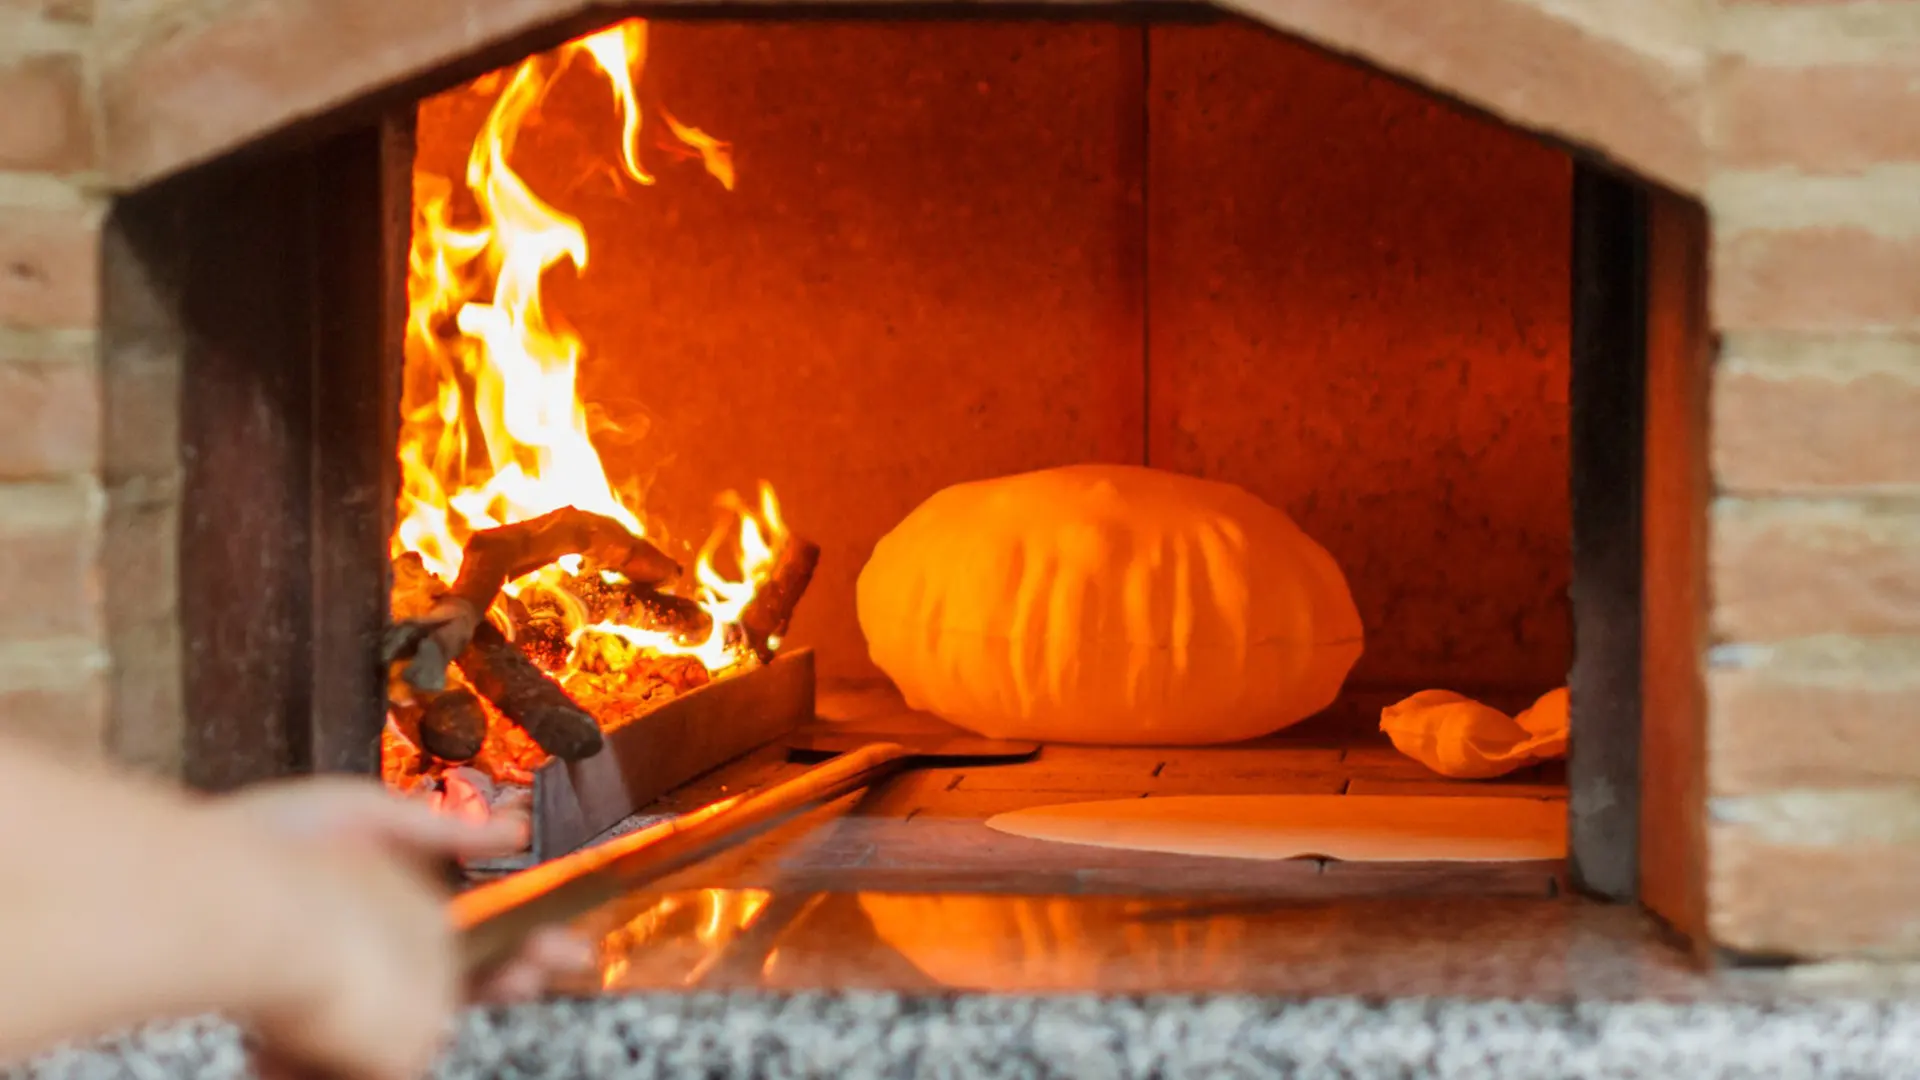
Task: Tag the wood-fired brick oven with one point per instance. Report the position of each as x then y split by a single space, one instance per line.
961 247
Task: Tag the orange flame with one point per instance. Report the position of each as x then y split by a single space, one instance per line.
702 922
493 429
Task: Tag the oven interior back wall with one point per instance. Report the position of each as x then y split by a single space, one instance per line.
963 249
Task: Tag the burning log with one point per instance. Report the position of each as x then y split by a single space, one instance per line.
685 619
496 556
447 727
770 611
524 694
453 725
765 617
541 632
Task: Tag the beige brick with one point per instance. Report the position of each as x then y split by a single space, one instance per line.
43 191
49 573
54 693
206 86
1635 91
1788 568
1816 280
181 97
148 725
142 407
65 11
1816 875
1679 28
1804 415
49 419
69 717
1817 818
49 267
47 126
1813 713
78 346
1821 119
141 553
140 560
1816 32
1880 199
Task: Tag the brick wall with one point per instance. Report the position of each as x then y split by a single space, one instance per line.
1813 682
1795 121
53 659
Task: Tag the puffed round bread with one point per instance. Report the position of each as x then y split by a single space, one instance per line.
1108 604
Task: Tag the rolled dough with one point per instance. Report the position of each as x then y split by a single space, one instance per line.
1354 828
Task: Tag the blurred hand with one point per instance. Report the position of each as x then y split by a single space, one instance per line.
389 984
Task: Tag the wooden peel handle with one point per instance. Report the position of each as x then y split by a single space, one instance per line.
495 919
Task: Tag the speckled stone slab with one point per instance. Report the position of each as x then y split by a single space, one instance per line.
716 984
855 1036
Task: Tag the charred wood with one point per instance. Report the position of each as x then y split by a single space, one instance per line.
453 725
528 697
685 619
770 611
625 603
496 556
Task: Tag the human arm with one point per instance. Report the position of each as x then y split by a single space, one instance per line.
304 911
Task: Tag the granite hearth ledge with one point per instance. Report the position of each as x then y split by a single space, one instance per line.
717 983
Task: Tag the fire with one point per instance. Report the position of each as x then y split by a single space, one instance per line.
702 923
493 430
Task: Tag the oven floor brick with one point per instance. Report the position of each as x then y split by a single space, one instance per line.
926 830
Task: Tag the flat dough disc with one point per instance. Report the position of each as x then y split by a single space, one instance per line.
1355 828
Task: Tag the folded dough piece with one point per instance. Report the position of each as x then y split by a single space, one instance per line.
1459 737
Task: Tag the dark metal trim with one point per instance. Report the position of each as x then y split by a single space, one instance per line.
283 274
360 319
1606 438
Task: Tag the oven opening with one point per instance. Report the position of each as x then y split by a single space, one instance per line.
1235 451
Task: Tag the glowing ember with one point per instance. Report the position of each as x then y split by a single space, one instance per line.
493 430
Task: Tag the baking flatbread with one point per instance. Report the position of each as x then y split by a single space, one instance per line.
1352 828
1108 604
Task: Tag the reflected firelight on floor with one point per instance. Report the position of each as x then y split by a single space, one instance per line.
758 939
691 927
